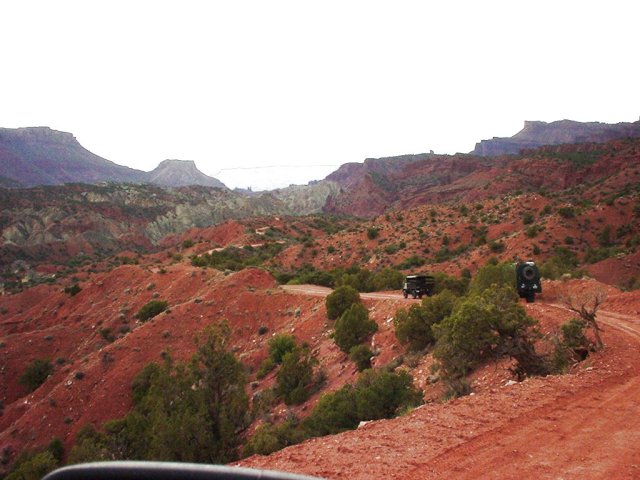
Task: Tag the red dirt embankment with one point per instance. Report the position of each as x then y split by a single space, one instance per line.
585 424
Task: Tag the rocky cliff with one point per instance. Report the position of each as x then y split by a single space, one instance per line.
537 134
56 223
178 173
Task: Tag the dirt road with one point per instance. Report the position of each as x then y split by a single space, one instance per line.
592 435
585 425
317 291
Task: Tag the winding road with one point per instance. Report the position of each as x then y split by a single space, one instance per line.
590 430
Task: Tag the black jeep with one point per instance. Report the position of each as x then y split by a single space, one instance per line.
528 280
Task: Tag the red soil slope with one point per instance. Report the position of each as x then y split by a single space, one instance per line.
581 425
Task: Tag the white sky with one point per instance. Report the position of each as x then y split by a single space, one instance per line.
250 83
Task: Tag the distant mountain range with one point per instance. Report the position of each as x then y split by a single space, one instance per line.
42 156
539 134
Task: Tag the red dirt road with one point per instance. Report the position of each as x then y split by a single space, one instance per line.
583 425
316 291
593 435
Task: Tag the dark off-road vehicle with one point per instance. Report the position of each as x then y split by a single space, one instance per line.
528 280
418 285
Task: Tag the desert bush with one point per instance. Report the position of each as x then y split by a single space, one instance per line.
359 279
501 274
234 258
338 301
353 327
563 261
107 334
387 279
372 233
496 246
411 262
458 286
188 412
595 255
72 290
527 218
151 309
413 326
566 212
604 237
271 438
486 325
279 346
265 367
377 394
36 373
573 335
34 467
361 356
295 377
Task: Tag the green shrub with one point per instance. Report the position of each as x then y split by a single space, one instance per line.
502 274
595 255
387 279
34 467
72 290
486 325
382 394
573 335
458 286
188 412
527 218
361 356
279 346
377 394
532 231
391 249
271 438
372 233
563 261
188 243
359 279
413 326
496 246
295 377
353 327
567 212
151 309
265 367
411 262
604 237
107 334
36 373
338 301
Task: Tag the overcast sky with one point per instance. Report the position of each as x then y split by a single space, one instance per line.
309 84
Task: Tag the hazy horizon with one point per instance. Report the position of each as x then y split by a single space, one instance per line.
257 84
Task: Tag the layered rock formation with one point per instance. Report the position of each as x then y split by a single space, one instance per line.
178 173
537 134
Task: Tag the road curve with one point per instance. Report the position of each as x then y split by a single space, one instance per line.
589 432
317 291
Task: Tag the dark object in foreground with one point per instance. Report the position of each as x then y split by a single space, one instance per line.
165 471
528 280
418 285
